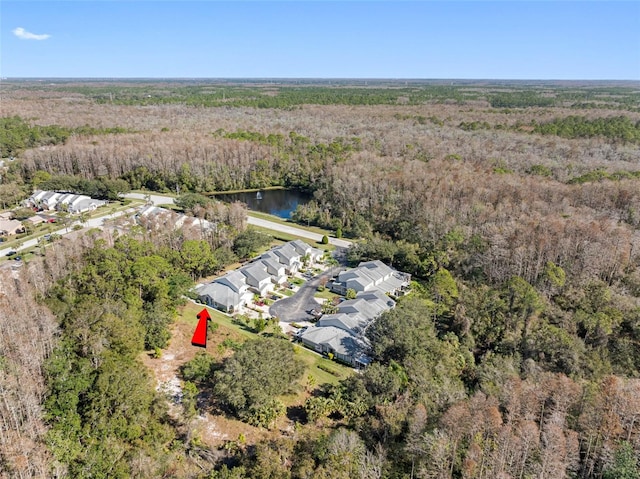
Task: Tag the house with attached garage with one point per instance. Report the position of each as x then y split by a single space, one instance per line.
229 293
257 277
342 334
340 343
10 227
313 255
71 202
275 269
287 256
373 275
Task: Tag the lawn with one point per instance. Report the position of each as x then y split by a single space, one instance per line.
312 360
277 219
285 237
326 294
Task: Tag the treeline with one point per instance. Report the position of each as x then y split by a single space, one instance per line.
615 128
619 128
425 408
101 187
105 417
281 97
521 100
219 162
28 334
284 96
16 134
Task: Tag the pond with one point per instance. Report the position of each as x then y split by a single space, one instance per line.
279 203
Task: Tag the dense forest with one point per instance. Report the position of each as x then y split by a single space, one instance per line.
516 208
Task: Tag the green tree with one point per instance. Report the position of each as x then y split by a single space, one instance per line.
258 372
248 243
197 258
625 464
199 368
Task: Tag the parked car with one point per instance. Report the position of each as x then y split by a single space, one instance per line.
11 253
17 258
51 220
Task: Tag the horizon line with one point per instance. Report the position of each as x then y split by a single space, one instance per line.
276 78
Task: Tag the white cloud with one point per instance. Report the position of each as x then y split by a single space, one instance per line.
25 35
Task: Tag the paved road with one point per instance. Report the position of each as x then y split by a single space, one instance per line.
155 199
292 230
92 223
163 200
294 308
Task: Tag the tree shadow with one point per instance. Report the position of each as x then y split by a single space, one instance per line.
297 414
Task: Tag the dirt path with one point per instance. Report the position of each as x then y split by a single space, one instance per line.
213 430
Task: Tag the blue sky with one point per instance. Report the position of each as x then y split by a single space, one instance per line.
321 39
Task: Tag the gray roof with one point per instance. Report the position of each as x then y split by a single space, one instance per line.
286 253
373 274
220 293
341 341
256 271
377 268
303 248
354 323
234 279
272 264
86 203
355 315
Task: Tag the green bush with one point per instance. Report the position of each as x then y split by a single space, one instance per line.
329 370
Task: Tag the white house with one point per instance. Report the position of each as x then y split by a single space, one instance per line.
49 200
373 275
275 269
287 256
228 293
343 333
257 277
343 345
313 254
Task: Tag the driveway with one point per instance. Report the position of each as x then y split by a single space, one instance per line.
294 308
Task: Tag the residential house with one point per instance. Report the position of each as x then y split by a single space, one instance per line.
313 255
10 227
275 269
287 256
257 277
343 333
372 275
48 200
228 293
36 220
343 345
76 204
71 202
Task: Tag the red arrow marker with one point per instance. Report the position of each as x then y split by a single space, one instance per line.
200 335
204 314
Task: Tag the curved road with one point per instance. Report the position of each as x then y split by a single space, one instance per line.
163 200
292 230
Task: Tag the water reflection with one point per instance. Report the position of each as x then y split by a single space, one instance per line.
275 202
